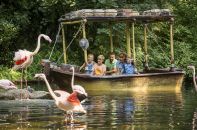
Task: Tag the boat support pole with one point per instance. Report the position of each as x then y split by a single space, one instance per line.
172 44
128 36
64 43
111 38
133 41
84 36
145 47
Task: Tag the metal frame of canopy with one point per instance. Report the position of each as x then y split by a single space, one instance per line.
130 25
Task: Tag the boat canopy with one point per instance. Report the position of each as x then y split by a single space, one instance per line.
137 19
127 16
121 15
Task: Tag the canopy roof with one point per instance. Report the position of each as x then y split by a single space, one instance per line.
121 15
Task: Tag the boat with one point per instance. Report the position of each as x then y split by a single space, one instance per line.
159 79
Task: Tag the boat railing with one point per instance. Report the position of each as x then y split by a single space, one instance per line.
66 68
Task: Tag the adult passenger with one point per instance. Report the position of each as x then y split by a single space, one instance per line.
111 64
121 62
129 66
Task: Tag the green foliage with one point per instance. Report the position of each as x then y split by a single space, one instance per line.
22 21
6 73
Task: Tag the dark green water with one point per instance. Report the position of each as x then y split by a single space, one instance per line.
146 110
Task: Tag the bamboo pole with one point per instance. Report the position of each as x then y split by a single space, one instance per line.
133 41
171 43
84 36
64 44
145 47
128 37
111 38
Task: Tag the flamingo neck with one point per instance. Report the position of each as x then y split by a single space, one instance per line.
194 80
72 81
50 90
38 45
73 99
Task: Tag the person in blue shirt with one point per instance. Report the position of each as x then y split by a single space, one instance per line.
89 65
129 66
121 62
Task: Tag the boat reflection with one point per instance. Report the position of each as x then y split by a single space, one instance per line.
132 110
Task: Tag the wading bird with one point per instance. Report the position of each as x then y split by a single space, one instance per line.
67 102
7 84
24 58
194 74
78 88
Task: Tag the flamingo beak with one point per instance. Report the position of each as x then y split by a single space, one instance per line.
189 67
36 76
81 97
50 40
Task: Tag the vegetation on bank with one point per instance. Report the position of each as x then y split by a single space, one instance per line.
22 21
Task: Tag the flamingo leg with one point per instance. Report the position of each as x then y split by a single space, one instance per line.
22 79
25 77
69 114
27 94
66 117
21 82
71 118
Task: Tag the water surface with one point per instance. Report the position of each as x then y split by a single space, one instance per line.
122 110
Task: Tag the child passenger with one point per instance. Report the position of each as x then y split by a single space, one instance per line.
99 68
89 65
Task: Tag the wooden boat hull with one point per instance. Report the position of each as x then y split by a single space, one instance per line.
155 81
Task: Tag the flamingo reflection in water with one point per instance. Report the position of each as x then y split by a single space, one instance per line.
65 101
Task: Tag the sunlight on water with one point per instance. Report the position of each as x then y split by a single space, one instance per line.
145 110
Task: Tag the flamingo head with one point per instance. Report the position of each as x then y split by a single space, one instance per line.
41 75
191 67
81 93
47 38
72 68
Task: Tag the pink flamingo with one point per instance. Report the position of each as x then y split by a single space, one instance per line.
65 101
78 88
194 74
24 58
7 84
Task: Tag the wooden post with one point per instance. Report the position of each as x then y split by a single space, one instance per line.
145 47
111 38
128 36
171 43
133 42
64 44
46 64
84 36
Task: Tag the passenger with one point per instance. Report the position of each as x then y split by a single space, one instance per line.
89 65
129 66
121 62
111 64
99 68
